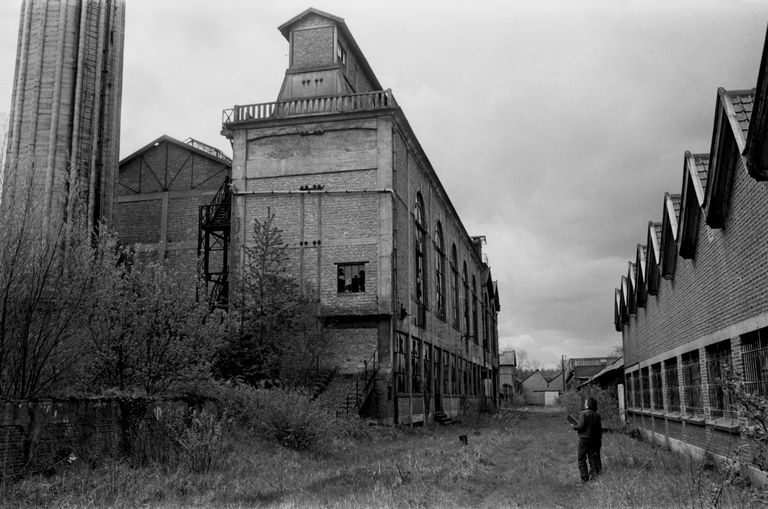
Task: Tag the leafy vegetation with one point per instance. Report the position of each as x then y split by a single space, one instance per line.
517 459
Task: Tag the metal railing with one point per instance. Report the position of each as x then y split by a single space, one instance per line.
367 101
208 149
363 384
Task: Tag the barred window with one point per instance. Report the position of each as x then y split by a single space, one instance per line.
636 398
692 383
645 387
718 366
657 400
447 376
673 385
754 358
415 368
454 375
401 365
427 368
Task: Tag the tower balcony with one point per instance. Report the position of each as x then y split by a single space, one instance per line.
310 106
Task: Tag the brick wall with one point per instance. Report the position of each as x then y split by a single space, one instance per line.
35 435
724 284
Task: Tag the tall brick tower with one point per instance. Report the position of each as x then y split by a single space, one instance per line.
63 140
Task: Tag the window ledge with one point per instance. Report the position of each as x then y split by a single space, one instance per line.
697 420
657 413
727 424
673 416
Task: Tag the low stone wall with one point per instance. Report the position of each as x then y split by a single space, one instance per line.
36 436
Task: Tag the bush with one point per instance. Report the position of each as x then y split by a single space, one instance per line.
197 441
292 419
607 404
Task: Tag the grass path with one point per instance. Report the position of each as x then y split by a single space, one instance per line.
519 459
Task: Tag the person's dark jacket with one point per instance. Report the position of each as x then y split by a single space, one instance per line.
589 425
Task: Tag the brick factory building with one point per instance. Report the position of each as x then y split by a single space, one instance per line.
407 290
694 302
160 191
64 126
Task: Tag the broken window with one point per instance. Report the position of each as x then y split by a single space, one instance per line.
351 277
439 271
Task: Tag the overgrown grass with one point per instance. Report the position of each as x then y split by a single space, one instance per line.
518 459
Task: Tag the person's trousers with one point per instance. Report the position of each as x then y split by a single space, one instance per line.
589 450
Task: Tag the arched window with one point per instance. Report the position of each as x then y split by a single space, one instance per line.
455 287
439 272
474 310
421 283
465 282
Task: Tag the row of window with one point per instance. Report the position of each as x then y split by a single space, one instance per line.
433 370
676 385
466 314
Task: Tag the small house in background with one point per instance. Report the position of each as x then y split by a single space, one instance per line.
508 381
534 387
539 391
580 370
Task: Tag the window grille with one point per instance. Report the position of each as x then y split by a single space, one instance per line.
673 385
427 368
645 388
657 400
447 389
415 368
635 393
454 375
400 365
692 383
718 366
754 358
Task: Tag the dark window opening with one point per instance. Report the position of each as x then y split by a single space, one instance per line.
351 278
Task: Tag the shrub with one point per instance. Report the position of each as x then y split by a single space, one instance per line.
197 441
292 419
607 404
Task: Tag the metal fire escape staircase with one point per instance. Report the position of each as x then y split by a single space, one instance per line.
214 226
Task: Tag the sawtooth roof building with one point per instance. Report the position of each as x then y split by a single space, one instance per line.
693 304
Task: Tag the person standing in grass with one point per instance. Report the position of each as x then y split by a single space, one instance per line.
590 430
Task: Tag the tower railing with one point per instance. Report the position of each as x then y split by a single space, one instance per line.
367 101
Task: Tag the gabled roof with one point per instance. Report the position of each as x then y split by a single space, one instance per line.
617 309
653 257
695 167
624 299
617 368
669 234
756 150
537 372
192 145
733 110
285 29
641 290
631 289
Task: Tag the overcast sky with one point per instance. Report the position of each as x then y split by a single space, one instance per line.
555 126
